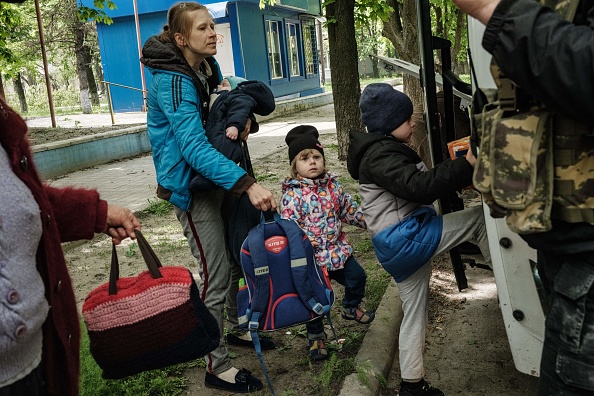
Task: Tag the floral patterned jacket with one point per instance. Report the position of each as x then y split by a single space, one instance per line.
320 206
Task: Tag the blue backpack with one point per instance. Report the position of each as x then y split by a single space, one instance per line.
283 285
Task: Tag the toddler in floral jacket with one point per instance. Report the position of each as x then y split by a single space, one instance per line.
315 199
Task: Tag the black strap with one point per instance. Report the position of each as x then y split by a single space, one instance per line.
246 161
150 258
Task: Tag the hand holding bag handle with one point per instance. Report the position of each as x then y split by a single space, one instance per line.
150 258
148 321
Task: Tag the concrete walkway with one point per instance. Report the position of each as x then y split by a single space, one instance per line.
132 183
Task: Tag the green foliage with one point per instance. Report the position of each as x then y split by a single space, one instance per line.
14 29
367 11
364 246
377 283
66 100
335 369
159 207
96 14
131 252
168 381
267 177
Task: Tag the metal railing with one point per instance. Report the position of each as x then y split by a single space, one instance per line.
110 104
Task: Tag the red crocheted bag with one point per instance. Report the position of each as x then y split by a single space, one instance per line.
149 321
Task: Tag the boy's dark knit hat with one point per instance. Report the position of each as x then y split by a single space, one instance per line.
384 108
301 138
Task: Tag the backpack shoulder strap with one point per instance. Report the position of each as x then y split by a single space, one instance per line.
296 240
259 303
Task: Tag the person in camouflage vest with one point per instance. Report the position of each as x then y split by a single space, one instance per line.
549 53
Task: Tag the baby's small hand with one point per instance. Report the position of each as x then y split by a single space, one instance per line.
232 133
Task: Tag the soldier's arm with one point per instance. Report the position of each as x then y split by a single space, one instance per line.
482 10
546 56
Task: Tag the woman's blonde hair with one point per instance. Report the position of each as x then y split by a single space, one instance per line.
179 21
304 154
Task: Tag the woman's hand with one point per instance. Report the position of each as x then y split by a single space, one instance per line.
261 197
246 132
121 223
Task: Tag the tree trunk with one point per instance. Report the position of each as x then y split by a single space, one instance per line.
99 71
81 70
345 78
375 67
458 67
401 30
20 91
78 33
90 76
2 87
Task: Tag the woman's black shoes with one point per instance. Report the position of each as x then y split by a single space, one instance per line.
245 382
265 342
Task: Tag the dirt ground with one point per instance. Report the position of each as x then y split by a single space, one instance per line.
39 135
467 352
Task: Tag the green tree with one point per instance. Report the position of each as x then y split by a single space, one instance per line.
15 55
450 23
368 18
344 65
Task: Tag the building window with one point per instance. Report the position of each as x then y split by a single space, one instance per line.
293 49
310 47
274 49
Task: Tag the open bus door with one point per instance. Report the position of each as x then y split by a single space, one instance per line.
513 261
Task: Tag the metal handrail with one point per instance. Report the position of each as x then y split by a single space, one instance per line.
109 103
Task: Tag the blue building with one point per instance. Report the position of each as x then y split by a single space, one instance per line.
277 45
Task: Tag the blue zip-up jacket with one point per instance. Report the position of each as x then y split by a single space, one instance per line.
177 106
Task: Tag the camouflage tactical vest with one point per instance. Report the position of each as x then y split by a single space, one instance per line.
533 164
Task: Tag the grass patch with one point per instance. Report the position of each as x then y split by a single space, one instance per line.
168 381
335 369
159 207
273 177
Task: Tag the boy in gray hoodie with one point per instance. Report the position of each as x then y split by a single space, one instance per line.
397 192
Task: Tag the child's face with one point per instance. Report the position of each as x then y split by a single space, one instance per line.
224 85
310 165
404 132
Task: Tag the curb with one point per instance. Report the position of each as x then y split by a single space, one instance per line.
378 349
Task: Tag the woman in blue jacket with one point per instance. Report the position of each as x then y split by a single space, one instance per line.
184 74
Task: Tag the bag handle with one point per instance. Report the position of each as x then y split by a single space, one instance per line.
148 254
269 216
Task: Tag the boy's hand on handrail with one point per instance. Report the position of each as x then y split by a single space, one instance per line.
470 158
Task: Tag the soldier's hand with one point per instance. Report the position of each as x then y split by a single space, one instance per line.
479 9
